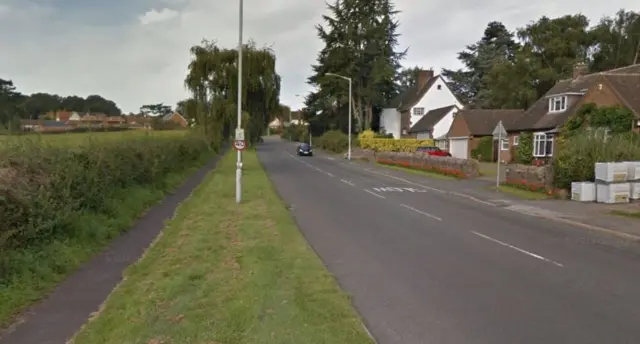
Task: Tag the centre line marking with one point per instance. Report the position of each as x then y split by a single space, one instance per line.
375 194
517 249
421 212
347 182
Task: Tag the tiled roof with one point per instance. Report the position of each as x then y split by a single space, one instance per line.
482 122
410 97
430 119
625 82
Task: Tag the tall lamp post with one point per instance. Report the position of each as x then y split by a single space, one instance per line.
308 125
350 96
239 156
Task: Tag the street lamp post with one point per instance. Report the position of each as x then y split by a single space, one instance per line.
239 156
350 97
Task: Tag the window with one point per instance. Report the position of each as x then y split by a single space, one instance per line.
558 104
516 140
542 145
419 111
439 87
504 145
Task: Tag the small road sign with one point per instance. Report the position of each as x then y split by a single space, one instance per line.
239 145
239 134
499 132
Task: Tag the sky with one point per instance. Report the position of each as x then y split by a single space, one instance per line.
136 52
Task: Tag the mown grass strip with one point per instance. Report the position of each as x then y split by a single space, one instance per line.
228 273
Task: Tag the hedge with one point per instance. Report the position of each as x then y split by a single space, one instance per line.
393 145
52 196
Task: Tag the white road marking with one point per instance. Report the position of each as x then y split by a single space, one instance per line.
330 158
404 180
375 194
329 174
517 249
421 212
347 182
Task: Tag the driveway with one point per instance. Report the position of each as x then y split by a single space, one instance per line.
426 266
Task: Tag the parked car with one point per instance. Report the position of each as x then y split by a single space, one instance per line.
433 151
304 149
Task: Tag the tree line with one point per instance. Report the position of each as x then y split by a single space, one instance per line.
16 105
503 69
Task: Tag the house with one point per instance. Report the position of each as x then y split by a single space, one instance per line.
430 92
471 125
275 124
138 122
175 118
547 115
435 125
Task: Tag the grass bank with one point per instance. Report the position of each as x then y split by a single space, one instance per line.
520 193
228 273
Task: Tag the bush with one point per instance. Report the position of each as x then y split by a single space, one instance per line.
484 151
296 133
524 152
52 196
334 141
578 154
393 145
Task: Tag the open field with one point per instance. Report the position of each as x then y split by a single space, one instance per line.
228 273
74 139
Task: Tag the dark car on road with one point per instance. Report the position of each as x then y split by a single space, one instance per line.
433 151
305 149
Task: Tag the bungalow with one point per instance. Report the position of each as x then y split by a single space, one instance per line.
546 116
403 112
470 125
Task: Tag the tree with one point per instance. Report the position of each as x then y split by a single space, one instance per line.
497 46
10 100
407 78
156 109
617 40
360 42
212 81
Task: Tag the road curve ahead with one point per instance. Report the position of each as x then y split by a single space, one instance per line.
424 266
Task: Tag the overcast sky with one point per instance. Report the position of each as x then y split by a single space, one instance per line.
136 51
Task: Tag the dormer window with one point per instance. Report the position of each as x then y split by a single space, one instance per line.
557 104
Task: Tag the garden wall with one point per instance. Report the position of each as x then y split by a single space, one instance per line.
468 167
530 175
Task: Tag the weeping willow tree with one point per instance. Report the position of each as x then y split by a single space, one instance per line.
213 82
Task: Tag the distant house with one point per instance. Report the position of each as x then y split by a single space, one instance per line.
546 116
470 125
175 118
403 112
435 125
275 124
44 125
138 122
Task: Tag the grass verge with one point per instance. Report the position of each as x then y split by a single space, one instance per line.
419 172
44 266
630 214
228 273
524 194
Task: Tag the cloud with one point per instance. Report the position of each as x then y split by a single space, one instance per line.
154 16
137 52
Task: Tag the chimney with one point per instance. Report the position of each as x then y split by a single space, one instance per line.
580 69
424 76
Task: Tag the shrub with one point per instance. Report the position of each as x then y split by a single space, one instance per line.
484 151
524 152
295 133
578 154
393 145
46 189
334 141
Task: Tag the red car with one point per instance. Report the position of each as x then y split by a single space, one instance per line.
433 151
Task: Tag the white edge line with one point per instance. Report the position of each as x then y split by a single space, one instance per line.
517 249
421 212
375 194
347 182
329 174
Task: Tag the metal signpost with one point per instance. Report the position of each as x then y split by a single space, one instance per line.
239 131
499 133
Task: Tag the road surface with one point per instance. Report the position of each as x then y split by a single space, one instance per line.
426 266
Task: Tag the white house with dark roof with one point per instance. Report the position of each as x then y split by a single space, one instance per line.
435 125
403 112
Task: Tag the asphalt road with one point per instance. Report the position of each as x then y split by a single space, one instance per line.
426 266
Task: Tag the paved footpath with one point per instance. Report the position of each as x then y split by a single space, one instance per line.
426 264
56 319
